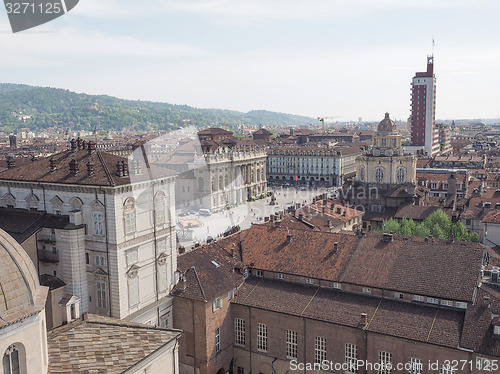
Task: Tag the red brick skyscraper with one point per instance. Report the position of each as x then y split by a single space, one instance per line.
423 110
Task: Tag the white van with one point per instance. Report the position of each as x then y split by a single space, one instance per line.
205 212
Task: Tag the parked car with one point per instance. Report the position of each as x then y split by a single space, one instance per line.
205 212
183 214
192 211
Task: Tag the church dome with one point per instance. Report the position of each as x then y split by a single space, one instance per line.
19 285
387 126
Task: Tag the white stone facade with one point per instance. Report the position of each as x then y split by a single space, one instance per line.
123 263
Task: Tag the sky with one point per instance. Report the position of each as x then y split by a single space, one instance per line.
330 58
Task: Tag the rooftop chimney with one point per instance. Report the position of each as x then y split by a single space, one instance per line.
336 246
288 238
125 168
11 163
84 144
277 223
486 302
91 147
90 168
52 164
119 169
79 143
73 144
73 168
387 237
323 209
301 216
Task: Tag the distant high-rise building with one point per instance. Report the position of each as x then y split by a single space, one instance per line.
423 110
12 141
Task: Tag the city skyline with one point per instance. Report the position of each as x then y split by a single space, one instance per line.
346 59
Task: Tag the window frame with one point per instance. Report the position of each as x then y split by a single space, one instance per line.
319 349
239 332
261 337
291 344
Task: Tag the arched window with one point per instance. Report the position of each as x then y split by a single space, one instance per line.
160 208
401 175
379 175
11 361
129 215
76 203
214 187
362 174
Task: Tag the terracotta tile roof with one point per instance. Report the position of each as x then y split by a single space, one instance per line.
395 318
409 264
214 131
418 212
104 164
96 344
309 254
209 273
493 216
477 333
439 177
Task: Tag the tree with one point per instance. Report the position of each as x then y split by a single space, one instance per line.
407 227
421 230
390 225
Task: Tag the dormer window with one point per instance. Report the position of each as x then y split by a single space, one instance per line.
496 330
367 290
259 273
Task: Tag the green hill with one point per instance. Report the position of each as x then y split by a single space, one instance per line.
52 107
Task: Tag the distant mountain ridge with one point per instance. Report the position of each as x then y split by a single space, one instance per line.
23 106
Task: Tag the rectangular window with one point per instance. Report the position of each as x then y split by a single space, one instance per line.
58 212
240 370
432 300
100 261
98 224
336 285
261 337
165 320
87 258
309 281
351 358
133 291
217 339
129 222
446 302
160 216
418 298
319 349
384 359
367 290
281 276
415 366
217 304
239 331
102 301
291 344
259 273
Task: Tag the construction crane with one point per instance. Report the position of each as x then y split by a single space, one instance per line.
322 119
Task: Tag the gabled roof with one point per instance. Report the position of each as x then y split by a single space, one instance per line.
208 273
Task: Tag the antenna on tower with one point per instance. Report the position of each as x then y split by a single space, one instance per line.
433 45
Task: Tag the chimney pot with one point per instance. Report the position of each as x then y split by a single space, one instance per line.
301 216
73 144
336 246
11 163
288 238
79 143
52 163
486 301
73 167
91 147
90 168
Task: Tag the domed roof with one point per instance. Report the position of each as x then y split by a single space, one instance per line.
19 286
387 126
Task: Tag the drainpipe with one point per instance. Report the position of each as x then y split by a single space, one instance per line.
107 248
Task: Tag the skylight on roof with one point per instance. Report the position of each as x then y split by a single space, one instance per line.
215 263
